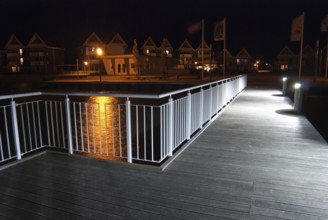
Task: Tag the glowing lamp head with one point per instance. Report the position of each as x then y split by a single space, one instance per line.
284 79
99 52
297 85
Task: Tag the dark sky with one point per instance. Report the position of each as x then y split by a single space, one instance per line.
261 26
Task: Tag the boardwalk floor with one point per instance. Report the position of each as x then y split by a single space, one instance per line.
258 160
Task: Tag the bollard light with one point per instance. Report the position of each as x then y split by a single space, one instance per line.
284 79
297 85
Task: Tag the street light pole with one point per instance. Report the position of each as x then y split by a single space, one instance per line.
99 53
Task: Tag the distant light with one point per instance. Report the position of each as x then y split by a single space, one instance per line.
22 60
21 52
147 51
99 52
86 63
196 63
297 85
284 79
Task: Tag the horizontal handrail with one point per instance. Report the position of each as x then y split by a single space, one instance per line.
117 95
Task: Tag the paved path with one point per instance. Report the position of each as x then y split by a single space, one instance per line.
258 160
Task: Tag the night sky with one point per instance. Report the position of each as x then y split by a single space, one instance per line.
261 26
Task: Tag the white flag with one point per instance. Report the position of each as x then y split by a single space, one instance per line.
219 31
297 28
324 24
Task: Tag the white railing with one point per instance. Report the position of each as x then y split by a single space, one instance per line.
111 128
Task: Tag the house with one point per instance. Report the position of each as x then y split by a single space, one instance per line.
243 61
166 48
36 56
43 58
149 48
16 54
286 60
89 54
230 62
187 56
117 46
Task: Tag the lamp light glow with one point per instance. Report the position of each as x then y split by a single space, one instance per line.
297 85
284 79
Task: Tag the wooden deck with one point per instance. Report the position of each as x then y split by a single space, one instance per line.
258 160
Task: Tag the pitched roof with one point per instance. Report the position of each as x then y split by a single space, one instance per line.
243 53
36 41
166 44
13 42
149 43
93 39
206 47
186 46
285 51
118 40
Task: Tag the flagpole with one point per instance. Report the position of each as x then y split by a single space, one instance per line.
203 49
301 50
326 69
224 48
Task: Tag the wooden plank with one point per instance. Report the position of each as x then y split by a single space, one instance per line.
253 162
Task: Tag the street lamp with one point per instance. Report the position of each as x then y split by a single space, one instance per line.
99 54
86 63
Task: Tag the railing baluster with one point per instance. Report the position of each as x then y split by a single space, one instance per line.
106 129
15 130
47 118
81 126
62 124
188 116
100 132
52 125
119 129
75 127
69 126
128 130
56 116
23 127
7 133
171 127
39 122
145 135
87 124
152 133
137 130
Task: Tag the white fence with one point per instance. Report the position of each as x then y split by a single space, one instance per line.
108 127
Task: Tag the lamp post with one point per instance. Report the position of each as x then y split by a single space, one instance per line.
86 63
99 54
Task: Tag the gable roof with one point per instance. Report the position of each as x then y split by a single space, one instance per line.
13 42
149 43
36 41
93 39
285 52
186 46
243 53
206 47
166 44
117 40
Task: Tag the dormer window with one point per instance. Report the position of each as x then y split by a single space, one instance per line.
21 52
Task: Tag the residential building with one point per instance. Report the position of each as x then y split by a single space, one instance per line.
43 58
16 54
149 48
89 57
187 56
243 61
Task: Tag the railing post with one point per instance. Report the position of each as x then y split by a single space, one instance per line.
69 127
15 130
188 115
201 108
211 103
128 130
170 153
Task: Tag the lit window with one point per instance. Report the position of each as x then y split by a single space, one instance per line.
147 51
238 61
167 51
21 52
21 60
